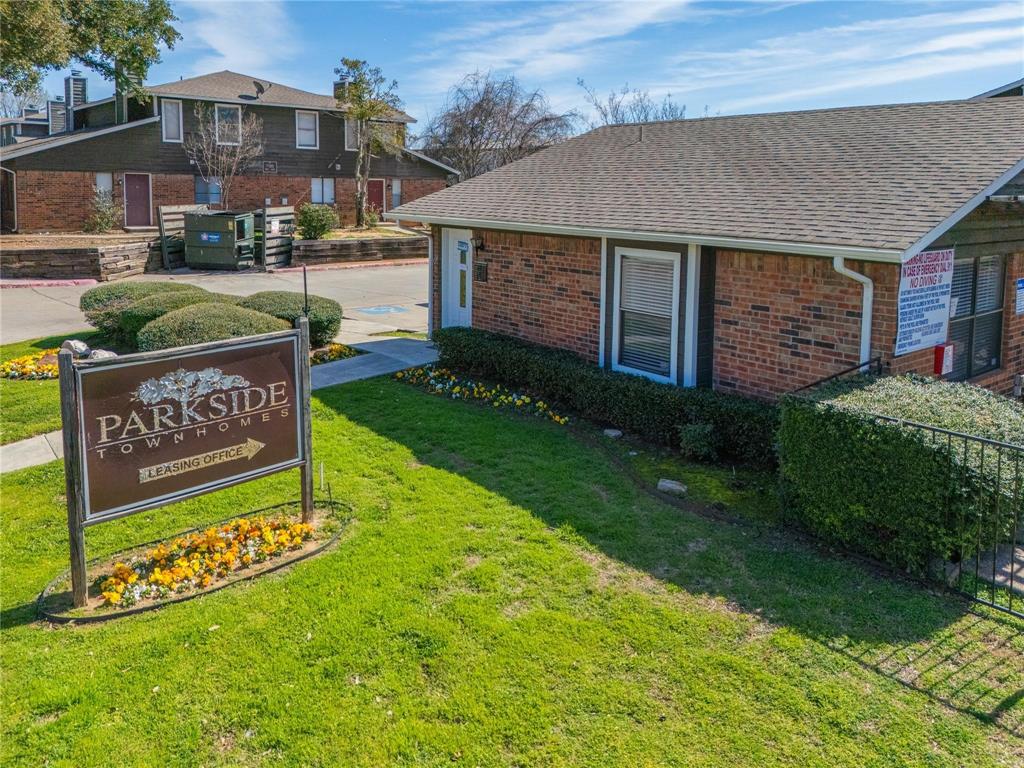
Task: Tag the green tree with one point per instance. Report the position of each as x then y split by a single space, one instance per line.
369 101
40 35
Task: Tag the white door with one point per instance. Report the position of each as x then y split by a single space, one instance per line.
457 266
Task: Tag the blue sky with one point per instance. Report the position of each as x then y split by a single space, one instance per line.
732 57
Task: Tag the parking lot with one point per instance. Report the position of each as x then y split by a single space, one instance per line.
375 299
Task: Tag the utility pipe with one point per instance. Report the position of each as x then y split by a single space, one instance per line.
867 304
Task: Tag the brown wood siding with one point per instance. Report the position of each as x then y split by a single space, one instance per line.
142 149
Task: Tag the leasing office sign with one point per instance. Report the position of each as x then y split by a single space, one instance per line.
158 428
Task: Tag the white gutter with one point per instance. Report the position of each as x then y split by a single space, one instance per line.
430 276
888 255
49 142
867 305
425 158
948 223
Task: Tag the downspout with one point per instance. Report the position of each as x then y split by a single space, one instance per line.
430 274
14 196
839 265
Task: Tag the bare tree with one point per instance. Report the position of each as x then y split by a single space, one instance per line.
368 102
630 105
12 103
222 147
487 122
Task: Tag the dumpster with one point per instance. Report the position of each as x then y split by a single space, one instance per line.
219 240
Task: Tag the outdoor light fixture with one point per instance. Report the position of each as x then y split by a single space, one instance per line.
478 244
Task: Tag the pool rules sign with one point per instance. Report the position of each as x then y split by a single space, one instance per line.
926 283
145 430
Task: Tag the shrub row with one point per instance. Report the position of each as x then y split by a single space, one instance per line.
729 426
123 311
891 491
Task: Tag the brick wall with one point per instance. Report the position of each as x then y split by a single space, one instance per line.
54 201
413 189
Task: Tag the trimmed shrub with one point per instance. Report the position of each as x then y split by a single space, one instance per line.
314 221
205 322
698 441
135 316
888 490
103 304
324 314
742 429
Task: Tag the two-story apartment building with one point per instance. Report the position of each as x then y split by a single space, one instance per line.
135 148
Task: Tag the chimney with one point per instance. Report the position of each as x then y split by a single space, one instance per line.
56 115
341 89
75 94
121 97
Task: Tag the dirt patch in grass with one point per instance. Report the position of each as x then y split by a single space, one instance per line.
49 241
377 233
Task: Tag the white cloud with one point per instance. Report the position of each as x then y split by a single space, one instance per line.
253 38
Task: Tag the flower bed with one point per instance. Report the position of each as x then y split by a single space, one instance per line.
441 381
194 561
38 365
333 352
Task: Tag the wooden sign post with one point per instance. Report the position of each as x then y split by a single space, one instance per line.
146 430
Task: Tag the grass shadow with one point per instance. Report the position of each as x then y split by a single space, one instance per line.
930 642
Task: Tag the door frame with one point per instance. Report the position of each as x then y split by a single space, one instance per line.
383 193
124 196
449 269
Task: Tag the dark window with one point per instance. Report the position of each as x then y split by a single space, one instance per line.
207 192
976 315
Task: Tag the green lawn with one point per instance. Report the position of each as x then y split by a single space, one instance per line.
402 334
30 408
503 596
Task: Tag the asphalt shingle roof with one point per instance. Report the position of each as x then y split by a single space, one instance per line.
233 86
872 177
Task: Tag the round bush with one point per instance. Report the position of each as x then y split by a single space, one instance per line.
198 323
103 304
324 314
135 316
315 221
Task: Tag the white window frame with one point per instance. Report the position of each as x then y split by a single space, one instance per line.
322 179
396 192
316 128
181 121
110 176
675 258
347 147
216 122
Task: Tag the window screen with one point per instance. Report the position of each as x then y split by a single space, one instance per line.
171 117
306 129
351 135
646 296
322 192
229 120
207 192
396 193
976 315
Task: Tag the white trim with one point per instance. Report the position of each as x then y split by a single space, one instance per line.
693 255
888 255
181 121
993 93
28 149
431 160
950 221
384 192
124 196
216 123
448 269
316 118
675 257
867 305
603 294
344 130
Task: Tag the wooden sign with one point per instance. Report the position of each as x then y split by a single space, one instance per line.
145 430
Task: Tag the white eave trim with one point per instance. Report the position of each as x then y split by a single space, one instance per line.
432 161
1001 89
71 138
889 255
950 221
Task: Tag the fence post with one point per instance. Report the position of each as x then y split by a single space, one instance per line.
306 470
72 468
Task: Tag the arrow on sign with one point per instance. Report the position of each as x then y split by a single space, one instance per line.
245 450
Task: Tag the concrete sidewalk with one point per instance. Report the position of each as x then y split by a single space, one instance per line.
383 356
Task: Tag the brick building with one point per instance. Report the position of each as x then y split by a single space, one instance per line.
134 148
755 254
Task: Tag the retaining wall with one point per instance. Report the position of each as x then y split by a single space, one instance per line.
103 263
311 252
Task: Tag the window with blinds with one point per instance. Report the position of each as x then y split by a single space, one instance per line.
647 313
976 315
307 129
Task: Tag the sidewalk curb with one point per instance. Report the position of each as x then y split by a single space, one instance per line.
353 265
42 283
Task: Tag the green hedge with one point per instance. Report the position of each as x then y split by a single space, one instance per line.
739 428
205 322
103 304
324 314
135 316
891 491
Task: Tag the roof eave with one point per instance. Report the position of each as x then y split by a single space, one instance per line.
30 148
428 159
887 255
